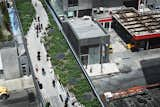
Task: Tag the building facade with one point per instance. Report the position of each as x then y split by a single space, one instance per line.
79 8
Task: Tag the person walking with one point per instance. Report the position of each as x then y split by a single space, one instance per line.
47 56
66 101
41 26
43 71
53 83
38 19
37 33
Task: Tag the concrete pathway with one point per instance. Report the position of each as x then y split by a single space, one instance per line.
49 92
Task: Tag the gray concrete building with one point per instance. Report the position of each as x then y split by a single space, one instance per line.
88 39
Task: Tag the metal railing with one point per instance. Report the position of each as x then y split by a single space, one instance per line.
59 23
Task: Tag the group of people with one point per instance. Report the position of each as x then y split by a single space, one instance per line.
38 26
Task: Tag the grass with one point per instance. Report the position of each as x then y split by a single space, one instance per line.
70 75
26 13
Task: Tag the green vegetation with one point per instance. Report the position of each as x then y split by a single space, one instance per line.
26 13
5 35
66 67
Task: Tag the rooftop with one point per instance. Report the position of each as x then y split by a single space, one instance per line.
102 13
139 24
85 28
148 98
10 62
134 69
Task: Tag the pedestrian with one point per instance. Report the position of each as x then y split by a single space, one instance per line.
90 70
53 83
86 65
40 85
43 71
47 56
65 105
37 35
66 102
41 26
67 94
73 103
35 18
36 78
37 28
36 69
38 19
45 34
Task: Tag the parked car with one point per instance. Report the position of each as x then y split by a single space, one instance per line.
4 94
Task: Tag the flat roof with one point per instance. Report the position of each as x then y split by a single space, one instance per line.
148 97
85 28
139 24
10 62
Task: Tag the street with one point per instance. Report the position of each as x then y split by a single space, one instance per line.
21 98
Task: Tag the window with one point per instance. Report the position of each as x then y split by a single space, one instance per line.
72 3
